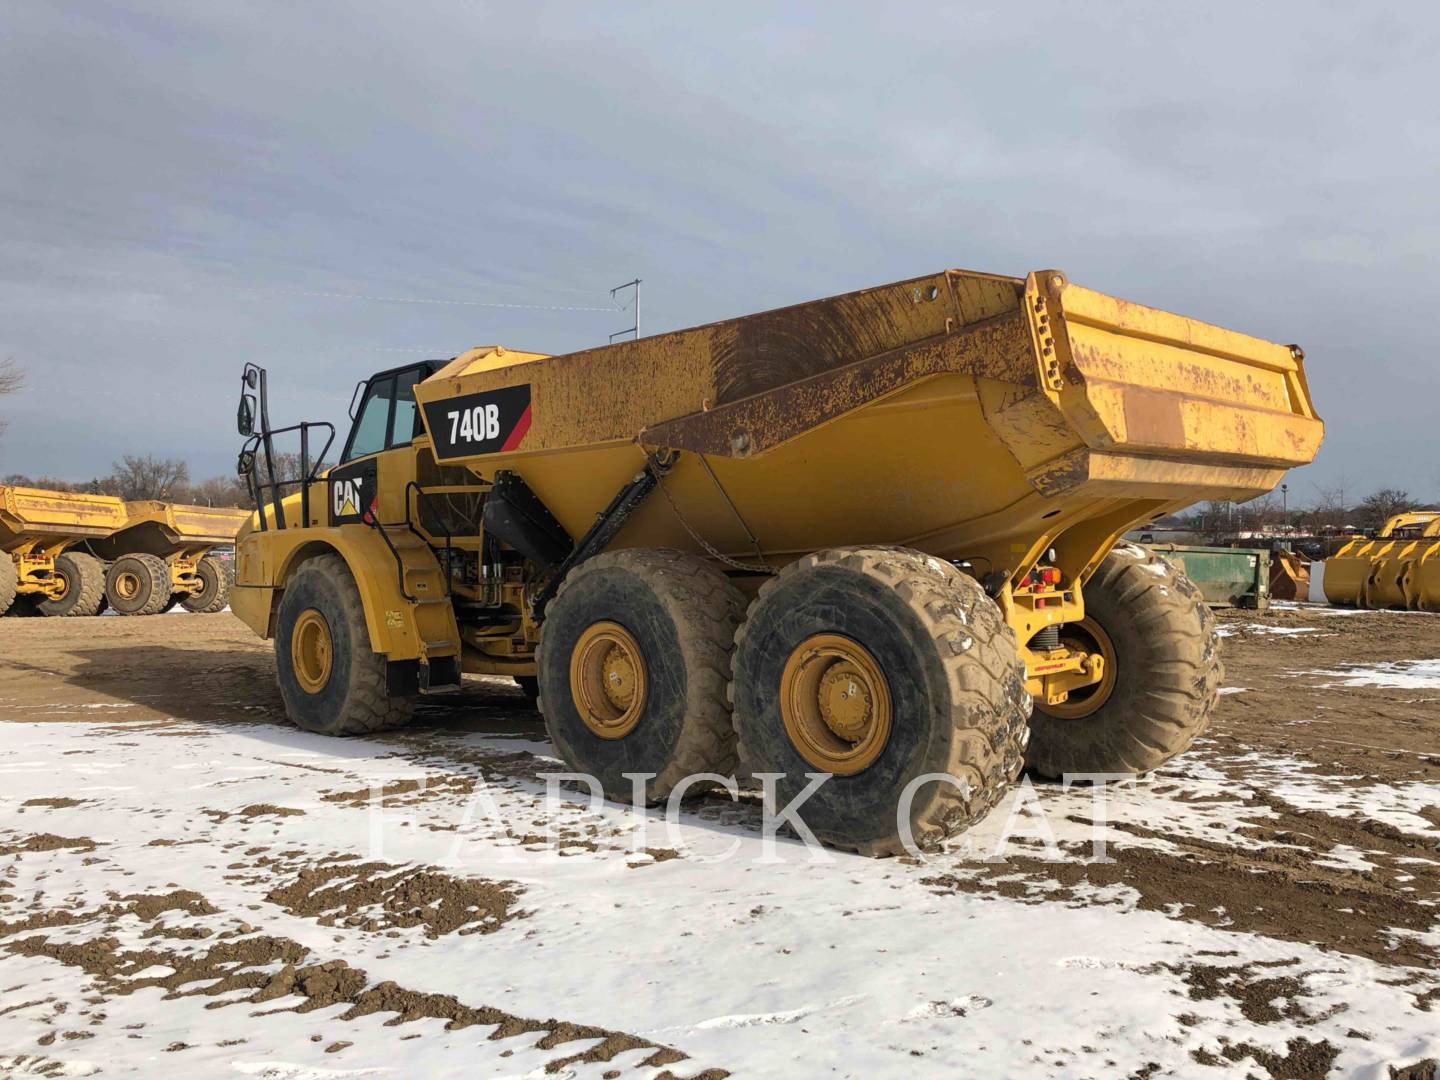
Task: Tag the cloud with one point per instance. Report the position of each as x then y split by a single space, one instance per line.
181 180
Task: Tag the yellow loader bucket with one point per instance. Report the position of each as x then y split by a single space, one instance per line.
1385 587
1421 581
1373 573
1289 576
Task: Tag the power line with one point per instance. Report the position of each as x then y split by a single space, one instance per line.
333 294
444 350
427 300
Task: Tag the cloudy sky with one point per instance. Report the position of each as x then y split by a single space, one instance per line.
186 187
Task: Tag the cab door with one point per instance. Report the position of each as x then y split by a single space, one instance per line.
379 460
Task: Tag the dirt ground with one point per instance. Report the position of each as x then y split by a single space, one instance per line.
1310 822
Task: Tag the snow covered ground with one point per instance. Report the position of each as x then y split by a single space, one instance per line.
762 966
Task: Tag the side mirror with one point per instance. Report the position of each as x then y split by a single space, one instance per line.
245 415
252 374
245 463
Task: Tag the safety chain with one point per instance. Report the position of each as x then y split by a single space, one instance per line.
709 548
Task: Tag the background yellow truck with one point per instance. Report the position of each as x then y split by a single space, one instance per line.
39 532
74 554
161 556
857 536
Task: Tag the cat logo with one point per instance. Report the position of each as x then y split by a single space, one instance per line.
352 488
346 499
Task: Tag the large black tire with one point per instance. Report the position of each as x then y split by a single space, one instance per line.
1167 673
353 698
84 594
9 582
681 614
138 585
214 592
956 689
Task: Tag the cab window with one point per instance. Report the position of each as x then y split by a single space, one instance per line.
388 413
406 424
373 424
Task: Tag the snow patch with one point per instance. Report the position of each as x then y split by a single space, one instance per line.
1390 675
958 1007
1159 568
789 1016
1232 629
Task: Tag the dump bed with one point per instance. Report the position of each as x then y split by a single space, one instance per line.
188 524
1153 387
36 516
163 529
958 412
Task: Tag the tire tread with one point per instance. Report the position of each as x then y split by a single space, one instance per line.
89 574
1175 707
706 609
981 661
369 706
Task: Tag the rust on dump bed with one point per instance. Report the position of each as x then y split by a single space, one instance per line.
996 348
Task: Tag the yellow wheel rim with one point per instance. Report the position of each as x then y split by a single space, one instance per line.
608 680
61 585
835 703
1089 636
312 652
127 585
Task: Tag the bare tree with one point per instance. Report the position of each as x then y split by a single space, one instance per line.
148 477
1375 509
219 491
1329 509
48 482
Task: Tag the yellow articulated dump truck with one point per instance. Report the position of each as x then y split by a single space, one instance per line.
42 534
1398 568
75 554
161 557
856 537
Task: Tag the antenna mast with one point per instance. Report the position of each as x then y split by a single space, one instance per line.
629 329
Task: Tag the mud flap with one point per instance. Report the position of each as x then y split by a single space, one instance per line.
440 676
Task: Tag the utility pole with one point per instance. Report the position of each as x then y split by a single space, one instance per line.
630 329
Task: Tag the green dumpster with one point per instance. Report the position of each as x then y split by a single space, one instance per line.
1227 577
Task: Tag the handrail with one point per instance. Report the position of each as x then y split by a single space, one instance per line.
265 494
409 524
374 523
